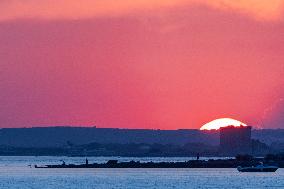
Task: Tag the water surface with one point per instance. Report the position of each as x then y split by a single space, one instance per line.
16 174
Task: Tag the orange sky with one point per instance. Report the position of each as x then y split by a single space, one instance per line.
71 9
141 64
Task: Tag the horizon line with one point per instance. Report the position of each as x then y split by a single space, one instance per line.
95 127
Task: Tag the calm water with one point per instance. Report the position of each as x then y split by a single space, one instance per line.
15 174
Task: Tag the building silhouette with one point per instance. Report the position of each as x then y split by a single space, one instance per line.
235 140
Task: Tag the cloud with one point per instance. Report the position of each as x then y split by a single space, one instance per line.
73 9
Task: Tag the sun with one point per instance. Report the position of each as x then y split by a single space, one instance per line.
222 122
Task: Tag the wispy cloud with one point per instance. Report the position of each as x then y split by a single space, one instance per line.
74 9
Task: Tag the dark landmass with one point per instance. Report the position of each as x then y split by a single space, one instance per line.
59 136
45 137
82 141
245 161
128 150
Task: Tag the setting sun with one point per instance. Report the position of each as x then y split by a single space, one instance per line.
222 122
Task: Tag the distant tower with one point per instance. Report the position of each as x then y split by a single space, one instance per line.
235 140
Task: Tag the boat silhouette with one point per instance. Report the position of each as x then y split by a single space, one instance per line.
258 168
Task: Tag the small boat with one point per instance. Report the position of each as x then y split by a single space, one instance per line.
258 168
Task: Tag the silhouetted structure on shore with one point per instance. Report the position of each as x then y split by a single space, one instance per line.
235 140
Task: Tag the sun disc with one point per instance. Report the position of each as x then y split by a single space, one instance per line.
222 122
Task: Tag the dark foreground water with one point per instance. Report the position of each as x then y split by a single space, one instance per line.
16 174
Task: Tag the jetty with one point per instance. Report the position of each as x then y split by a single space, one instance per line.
211 163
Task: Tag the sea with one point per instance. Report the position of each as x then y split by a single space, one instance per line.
18 172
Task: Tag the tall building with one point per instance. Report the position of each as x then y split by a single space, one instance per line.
235 140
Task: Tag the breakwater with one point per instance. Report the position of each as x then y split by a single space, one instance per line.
219 163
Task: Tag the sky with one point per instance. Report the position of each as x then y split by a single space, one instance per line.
164 64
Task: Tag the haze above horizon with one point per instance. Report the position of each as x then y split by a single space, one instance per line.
141 64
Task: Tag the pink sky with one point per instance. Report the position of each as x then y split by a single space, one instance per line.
139 64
